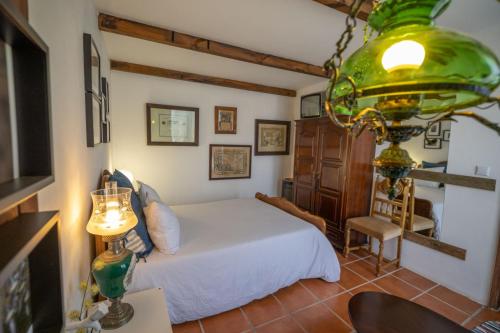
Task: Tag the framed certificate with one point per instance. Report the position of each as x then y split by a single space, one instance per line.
169 125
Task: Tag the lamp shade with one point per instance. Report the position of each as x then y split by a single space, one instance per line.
112 213
413 67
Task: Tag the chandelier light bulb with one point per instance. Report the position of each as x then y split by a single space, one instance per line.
406 54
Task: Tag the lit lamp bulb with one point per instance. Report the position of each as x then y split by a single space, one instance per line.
406 54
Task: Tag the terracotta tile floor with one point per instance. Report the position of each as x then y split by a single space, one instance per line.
316 306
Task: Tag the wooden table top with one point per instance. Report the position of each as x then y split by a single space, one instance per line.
374 312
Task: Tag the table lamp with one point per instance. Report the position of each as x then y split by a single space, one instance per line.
112 216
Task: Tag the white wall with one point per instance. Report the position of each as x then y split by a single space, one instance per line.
180 174
61 24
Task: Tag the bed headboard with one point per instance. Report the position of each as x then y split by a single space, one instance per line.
290 208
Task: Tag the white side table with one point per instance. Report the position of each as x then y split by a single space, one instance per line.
150 313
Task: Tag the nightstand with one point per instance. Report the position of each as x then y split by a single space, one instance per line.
150 313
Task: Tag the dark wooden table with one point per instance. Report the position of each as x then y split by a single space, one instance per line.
373 312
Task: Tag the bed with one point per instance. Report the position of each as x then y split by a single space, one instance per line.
429 202
233 252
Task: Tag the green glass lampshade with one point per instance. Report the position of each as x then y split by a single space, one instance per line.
414 67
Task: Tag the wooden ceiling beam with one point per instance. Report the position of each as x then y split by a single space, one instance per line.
185 76
344 7
130 28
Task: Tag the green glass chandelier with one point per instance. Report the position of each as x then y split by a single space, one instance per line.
411 69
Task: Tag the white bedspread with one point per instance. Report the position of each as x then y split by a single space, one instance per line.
233 252
436 196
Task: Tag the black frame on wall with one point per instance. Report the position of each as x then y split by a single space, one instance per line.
93 98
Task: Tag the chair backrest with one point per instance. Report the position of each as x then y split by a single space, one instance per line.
395 210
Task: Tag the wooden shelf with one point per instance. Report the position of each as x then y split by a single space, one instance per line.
20 236
19 189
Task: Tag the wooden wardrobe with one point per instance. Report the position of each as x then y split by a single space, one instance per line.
333 174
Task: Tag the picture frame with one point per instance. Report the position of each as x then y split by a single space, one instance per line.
434 130
229 161
106 122
272 137
225 120
446 135
171 125
92 65
432 143
310 106
93 119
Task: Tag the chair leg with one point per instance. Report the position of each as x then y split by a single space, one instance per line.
347 241
398 255
370 244
380 255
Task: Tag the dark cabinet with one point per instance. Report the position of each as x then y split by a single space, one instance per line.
332 174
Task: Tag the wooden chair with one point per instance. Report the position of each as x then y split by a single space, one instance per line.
416 222
378 225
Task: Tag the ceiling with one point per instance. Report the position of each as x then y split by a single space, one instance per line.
297 29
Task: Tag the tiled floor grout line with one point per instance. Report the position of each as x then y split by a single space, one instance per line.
252 327
202 329
454 307
472 315
421 292
289 313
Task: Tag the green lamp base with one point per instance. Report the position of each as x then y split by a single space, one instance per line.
112 271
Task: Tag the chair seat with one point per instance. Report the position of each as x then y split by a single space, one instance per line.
422 223
374 226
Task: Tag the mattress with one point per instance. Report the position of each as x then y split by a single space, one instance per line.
233 252
436 196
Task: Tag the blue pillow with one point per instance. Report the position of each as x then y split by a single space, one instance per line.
137 239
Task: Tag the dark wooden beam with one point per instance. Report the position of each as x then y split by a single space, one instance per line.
178 75
165 36
344 7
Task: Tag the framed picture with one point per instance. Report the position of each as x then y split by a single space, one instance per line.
170 125
434 130
106 123
93 119
432 143
230 162
272 137
446 135
310 106
225 120
92 65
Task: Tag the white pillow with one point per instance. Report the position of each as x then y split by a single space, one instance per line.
163 227
147 194
427 183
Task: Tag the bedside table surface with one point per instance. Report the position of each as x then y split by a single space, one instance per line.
150 313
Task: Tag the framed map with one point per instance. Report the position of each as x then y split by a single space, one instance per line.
272 137
230 162
169 125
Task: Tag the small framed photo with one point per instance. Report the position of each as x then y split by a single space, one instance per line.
432 143
272 137
434 130
106 123
310 106
93 116
225 119
92 65
230 162
169 125
446 135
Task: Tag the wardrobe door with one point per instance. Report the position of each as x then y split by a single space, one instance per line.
304 169
331 172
